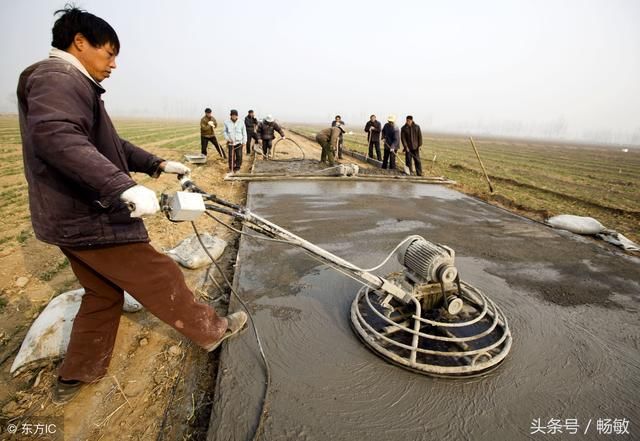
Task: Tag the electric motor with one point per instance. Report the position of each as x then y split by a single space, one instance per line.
428 262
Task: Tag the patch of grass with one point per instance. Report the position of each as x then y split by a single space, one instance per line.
23 236
51 273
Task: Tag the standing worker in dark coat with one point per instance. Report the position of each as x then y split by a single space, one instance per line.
266 134
329 139
207 134
373 129
251 124
78 172
411 137
391 138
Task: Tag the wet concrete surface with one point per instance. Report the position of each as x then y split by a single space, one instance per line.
572 305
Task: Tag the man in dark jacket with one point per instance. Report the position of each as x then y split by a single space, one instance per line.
207 133
373 129
391 138
251 124
80 190
411 137
266 134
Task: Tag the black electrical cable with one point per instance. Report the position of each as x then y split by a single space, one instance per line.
288 160
265 402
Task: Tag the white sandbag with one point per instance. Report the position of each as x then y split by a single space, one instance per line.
576 224
189 252
49 334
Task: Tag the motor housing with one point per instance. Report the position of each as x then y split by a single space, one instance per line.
427 262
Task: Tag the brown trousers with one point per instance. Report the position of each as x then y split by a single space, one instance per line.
150 277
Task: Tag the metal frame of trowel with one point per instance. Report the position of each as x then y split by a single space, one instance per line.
478 360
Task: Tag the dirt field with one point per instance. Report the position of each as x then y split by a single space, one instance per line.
534 178
153 388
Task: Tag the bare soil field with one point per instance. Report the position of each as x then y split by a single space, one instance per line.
536 179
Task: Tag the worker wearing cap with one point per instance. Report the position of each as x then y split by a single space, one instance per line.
266 134
411 138
391 139
329 139
236 135
251 124
207 125
78 170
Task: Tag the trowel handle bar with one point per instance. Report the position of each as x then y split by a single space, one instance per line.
269 229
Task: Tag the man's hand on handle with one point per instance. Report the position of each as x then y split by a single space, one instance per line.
175 168
141 201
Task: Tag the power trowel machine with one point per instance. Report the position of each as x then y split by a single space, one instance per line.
423 318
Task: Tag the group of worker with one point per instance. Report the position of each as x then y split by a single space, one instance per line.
239 135
410 136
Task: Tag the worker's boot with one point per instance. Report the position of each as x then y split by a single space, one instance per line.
65 391
235 323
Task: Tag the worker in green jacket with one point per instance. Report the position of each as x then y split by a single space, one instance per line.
329 140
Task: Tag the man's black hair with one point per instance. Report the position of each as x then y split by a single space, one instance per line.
207 110
410 117
73 21
338 116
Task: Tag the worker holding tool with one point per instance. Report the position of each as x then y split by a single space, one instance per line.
338 121
266 134
236 135
329 139
411 138
373 129
80 196
391 138
251 124
207 134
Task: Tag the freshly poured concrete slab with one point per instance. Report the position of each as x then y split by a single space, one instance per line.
572 305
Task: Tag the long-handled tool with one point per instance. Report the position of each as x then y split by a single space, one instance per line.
232 152
424 318
481 164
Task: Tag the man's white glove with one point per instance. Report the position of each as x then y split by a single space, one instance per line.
176 168
210 123
141 200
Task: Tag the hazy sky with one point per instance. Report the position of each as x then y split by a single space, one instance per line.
545 67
